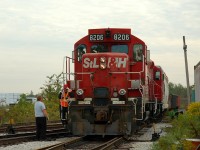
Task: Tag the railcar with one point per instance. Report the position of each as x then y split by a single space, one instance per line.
116 86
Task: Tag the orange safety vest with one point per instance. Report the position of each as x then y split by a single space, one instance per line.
63 100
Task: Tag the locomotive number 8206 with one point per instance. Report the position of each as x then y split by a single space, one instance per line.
116 37
96 37
121 37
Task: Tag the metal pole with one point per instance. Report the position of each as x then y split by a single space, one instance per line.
186 70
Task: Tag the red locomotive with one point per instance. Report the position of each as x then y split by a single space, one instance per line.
116 86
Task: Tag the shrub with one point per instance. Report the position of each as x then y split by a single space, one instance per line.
194 109
23 112
183 127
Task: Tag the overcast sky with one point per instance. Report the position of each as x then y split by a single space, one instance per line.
36 35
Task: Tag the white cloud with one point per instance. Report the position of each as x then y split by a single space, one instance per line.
36 35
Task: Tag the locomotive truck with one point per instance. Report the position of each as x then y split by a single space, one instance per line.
116 86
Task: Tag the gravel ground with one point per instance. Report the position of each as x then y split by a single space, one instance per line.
147 136
29 145
132 146
35 144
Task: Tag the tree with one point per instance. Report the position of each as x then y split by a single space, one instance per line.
50 92
52 87
177 89
31 93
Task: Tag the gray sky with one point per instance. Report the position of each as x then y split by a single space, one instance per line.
36 35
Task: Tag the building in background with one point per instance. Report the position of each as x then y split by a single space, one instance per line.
13 98
197 82
31 99
9 98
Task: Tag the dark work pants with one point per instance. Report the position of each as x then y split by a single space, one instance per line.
41 125
63 114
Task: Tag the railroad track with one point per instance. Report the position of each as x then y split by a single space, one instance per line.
27 127
111 144
92 143
97 144
82 143
31 136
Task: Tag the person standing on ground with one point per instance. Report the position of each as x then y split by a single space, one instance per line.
41 118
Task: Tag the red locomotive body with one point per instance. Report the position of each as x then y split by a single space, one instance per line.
115 84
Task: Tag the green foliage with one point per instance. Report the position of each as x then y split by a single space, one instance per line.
177 89
194 109
165 143
185 126
194 113
23 111
52 87
3 110
53 109
50 92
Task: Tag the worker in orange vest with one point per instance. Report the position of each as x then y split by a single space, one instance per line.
64 96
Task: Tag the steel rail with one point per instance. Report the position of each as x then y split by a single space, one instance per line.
111 144
61 145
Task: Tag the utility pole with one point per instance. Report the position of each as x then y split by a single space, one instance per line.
186 70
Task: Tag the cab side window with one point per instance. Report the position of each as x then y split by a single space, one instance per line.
157 75
137 52
81 49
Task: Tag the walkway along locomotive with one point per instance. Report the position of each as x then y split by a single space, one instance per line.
115 84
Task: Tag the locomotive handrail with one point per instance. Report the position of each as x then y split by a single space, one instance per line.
79 73
66 65
125 72
142 102
69 73
83 73
156 106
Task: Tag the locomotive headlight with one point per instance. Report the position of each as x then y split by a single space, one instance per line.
79 92
122 92
102 59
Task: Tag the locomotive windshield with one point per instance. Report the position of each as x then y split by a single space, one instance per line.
99 48
120 48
